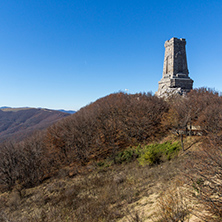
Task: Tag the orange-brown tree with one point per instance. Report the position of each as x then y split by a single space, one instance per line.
24 162
109 124
178 118
200 109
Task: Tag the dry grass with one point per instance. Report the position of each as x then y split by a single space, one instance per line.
173 205
125 192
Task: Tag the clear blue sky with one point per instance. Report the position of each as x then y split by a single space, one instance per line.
68 53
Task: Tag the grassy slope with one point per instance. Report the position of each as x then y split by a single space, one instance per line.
116 193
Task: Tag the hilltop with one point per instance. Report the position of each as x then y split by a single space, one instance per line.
122 158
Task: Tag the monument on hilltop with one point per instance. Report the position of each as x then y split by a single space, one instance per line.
175 72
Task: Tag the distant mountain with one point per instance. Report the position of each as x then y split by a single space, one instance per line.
4 107
67 111
61 110
17 123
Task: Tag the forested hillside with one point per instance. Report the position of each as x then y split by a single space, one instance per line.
17 123
94 164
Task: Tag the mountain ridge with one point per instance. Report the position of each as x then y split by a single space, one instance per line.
8 108
18 123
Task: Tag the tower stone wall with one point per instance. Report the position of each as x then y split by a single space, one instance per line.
175 71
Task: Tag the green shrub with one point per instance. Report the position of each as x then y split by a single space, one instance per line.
150 156
127 156
105 163
146 155
171 149
156 153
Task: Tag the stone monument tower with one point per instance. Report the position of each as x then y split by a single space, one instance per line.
175 72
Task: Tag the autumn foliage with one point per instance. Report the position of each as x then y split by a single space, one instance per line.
109 125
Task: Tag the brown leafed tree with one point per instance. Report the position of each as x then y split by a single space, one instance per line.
107 125
178 118
24 162
200 109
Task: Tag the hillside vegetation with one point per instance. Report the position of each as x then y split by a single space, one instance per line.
101 162
18 123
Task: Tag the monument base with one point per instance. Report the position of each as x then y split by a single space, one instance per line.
175 85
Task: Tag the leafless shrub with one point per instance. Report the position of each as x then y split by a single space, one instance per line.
23 162
9 170
172 206
206 179
119 178
4 217
14 199
134 216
